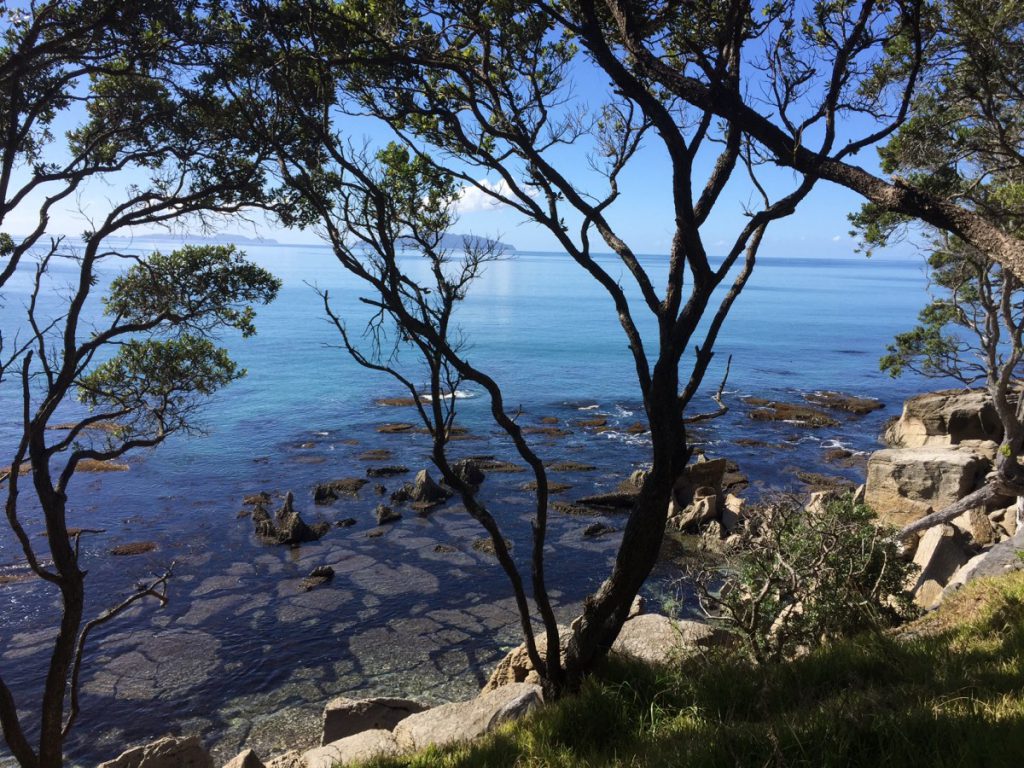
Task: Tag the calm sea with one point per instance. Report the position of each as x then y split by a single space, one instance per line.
241 654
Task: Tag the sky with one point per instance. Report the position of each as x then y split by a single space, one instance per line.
642 215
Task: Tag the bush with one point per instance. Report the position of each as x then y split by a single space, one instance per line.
798 577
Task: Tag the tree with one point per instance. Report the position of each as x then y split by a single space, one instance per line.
901 36
145 123
475 88
962 143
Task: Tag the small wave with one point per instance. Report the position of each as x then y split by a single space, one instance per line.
458 394
321 434
588 407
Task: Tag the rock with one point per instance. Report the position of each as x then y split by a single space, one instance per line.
317 577
575 510
469 472
939 554
547 431
357 748
597 529
975 524
490 464
486 546
345 717
245 759
703 509
636 428
945 418
168 752
705 473
133 548
325 493
904 484
347 522
841 401
391 429
423 490
622 501
657 639
637 607
823 482
389 471
465 720
264 525
291 528
375 454
771 410
963 574
570 466
819 501
444 549
732 513
386 514
553 487
516 667
260 499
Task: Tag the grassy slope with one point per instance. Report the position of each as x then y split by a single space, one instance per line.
948 690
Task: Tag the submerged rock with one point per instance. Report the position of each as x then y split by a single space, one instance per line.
287 526
773 410
317 577
325 493
386 514
841 401
389 471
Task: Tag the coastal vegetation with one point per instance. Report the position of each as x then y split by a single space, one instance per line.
201 112
944 690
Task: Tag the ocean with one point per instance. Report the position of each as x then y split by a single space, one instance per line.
241 654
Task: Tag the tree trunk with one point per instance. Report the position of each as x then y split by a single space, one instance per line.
606 610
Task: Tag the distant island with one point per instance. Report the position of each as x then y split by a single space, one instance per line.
227 238
457 242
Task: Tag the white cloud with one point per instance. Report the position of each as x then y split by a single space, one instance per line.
837 238
473 198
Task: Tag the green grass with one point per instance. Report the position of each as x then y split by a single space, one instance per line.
947 690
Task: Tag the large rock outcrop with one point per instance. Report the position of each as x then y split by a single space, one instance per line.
948 417
905 484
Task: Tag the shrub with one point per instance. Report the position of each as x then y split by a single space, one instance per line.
797 577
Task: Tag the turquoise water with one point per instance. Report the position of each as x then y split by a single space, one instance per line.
242 654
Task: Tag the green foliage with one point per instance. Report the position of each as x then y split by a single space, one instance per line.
800 577
194 287
154 383
157 384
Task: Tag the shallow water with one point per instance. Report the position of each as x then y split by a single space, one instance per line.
242 655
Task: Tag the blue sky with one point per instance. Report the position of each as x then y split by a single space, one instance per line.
642 215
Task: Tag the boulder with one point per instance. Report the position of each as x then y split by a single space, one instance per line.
245 759
703 509
905 484
466 720
945 418
291 528
168 752
516 667
657 639
317 577
940 553
423 491
344 717
841 401
975 524
357 748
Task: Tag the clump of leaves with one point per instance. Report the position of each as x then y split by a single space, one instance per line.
798 577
